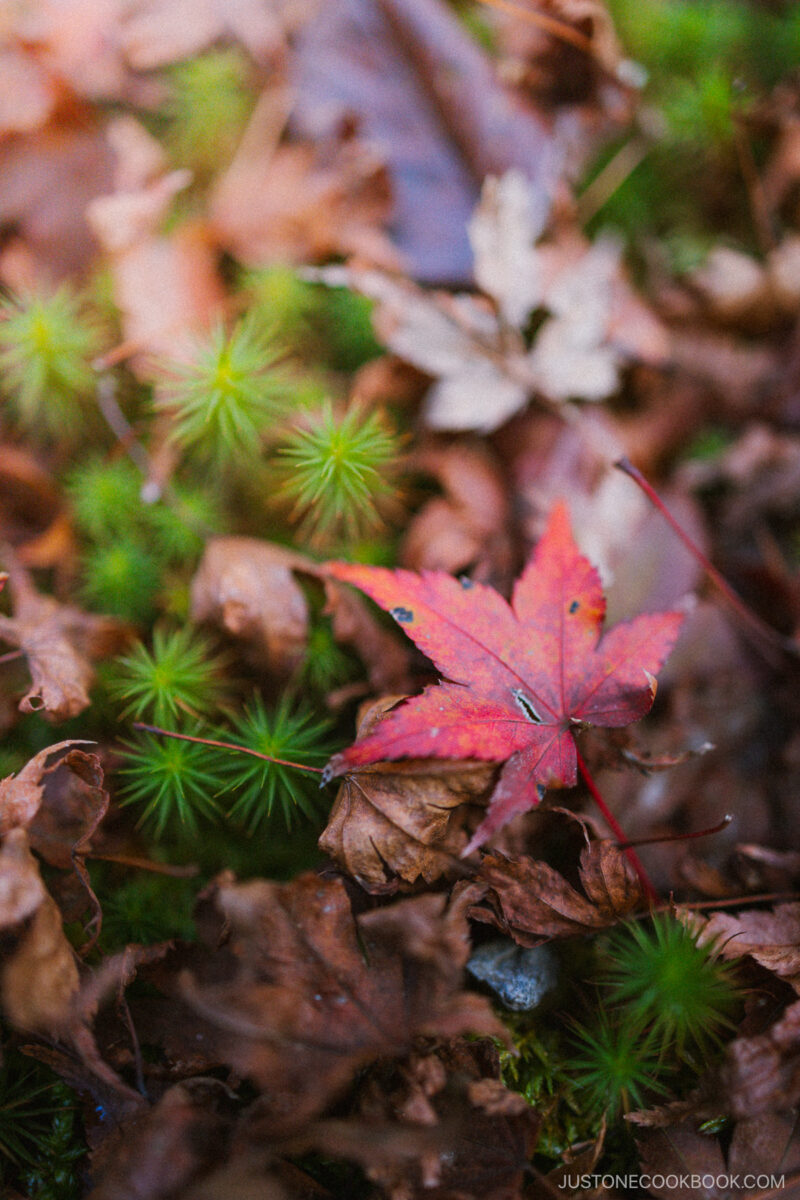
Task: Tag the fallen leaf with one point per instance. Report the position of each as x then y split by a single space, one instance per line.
394 824
519 677
771 938
440 1125
21 795
58 641
762 1074
531 901
318 994
38 978
28 97
247 587
684 1164
160 1151
156 33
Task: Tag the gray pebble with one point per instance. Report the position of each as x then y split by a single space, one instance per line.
520 978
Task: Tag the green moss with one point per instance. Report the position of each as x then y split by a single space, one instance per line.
210 102
46 347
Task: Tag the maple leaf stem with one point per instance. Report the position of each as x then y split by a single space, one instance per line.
740 606
187 737
616 829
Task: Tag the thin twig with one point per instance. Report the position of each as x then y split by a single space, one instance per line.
187 737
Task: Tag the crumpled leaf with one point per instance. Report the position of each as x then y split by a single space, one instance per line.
247 587
317 994
38 978
58 641
771 938
21 794
530 901
520 677
394 824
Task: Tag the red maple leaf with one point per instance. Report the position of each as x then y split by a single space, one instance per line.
520 678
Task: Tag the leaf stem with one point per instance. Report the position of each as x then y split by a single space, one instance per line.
187 737
740 607
616 829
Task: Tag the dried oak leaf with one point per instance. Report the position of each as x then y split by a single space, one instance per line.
531 901
318 993
58 641
771 938
394 823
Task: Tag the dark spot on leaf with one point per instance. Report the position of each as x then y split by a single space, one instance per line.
465 581
524 702
403 615
573 608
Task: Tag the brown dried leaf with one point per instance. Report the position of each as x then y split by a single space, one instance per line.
771 938
395 823
167 1147
318 994
441 1124
762 1074
247 587
58 641
531 901
21 794
38 978
156 34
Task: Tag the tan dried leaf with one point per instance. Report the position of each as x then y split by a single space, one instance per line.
388 661
21 794
247 587
771 938
38 978
395 823
58 641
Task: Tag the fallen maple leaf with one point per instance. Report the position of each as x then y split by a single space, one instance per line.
520 678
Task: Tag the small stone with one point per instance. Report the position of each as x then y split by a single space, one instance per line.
520 978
